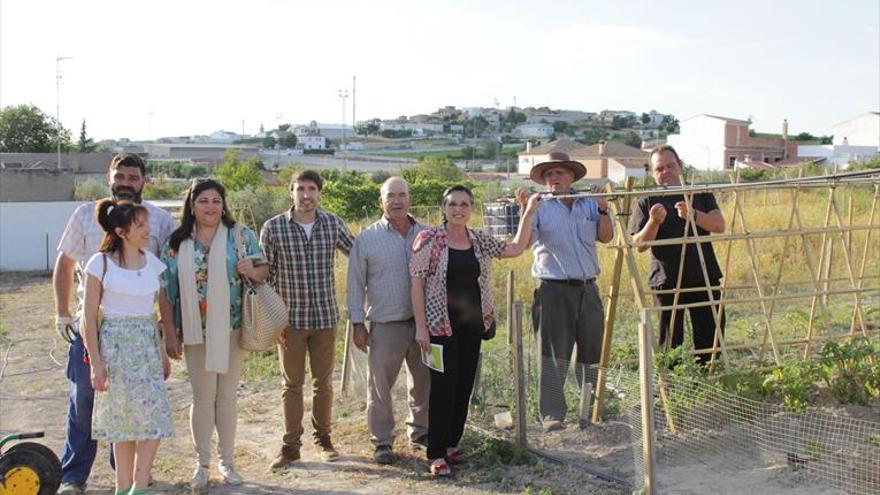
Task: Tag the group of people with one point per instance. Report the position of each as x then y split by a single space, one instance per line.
411 290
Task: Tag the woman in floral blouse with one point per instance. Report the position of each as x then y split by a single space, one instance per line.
202 290
453 307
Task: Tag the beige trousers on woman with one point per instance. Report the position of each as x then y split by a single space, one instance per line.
214 402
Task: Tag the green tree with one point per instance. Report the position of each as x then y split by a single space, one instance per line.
618 122
90 190
593 135
561 127
85 144
475 126
434 168
163 189
288 141
633 139
26 129
269 142
236 174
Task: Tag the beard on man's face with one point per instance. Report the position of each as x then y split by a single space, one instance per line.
126 193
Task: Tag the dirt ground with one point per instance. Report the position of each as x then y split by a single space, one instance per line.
33 396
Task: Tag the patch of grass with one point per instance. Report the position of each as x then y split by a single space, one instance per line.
488 452
260 369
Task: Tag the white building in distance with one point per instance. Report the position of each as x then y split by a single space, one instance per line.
862 130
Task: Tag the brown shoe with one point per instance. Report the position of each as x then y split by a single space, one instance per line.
285 457
325 448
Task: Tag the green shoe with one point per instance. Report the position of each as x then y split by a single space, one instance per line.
142 491
124 491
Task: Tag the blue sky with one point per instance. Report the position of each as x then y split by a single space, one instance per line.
164 68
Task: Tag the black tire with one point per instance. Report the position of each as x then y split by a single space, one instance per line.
37 457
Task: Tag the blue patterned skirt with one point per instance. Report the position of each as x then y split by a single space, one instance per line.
135 405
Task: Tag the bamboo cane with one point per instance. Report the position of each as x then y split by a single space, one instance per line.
613 292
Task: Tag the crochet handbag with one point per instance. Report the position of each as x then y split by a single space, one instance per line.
264 313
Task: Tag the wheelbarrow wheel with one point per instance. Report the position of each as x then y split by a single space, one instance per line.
29 469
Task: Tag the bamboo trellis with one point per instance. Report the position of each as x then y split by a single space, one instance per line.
834 229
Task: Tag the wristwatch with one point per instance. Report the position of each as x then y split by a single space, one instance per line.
603 212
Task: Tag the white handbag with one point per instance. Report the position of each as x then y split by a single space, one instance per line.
264 314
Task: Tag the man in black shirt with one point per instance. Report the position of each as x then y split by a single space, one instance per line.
665 217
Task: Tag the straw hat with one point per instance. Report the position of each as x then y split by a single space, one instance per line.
557 159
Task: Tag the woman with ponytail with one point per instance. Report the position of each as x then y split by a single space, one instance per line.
201 310
125 350
452 306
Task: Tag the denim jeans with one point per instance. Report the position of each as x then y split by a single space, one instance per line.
79 448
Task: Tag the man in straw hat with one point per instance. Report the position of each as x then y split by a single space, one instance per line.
567 309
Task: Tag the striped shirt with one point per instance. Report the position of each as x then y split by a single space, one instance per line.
564 241
378 270
301 267
83 235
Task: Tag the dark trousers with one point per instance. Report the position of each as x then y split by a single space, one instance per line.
451 390
79 448
702 321
564 315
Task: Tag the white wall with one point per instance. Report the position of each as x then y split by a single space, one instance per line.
618 173
526 162
863 130
24 228
839 155
700 142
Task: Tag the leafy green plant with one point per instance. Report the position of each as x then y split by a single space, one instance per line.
793 383
814 449
851 370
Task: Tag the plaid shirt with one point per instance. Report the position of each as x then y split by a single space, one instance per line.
301 269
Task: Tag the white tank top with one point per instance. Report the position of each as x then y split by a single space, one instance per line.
127 292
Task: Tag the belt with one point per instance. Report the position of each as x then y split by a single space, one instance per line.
575 282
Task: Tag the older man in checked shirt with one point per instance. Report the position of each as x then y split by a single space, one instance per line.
300 246
378 269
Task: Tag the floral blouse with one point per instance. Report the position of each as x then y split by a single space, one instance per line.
430 261
171 283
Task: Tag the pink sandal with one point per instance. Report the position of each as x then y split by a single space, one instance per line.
439 468
454 455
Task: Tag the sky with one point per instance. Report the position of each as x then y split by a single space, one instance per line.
147 69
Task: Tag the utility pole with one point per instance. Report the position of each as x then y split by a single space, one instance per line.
150 114
354 103
58 61
343 94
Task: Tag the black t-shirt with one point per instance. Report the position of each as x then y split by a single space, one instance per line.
663 272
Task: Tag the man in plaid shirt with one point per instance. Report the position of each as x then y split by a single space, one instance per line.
300 246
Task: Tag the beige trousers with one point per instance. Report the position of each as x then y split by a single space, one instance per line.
214 402
391 344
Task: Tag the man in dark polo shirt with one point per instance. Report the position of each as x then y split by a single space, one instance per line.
665 217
